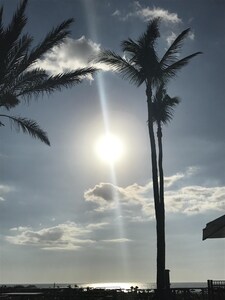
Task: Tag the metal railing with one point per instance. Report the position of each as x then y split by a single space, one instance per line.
216 289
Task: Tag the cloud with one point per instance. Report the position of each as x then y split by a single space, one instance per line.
4 189
121 240
70 55
170 181
116 13
171 38
191 36
20 228
97 225
107 196
146 14
104 195
66 236
195 199
180 197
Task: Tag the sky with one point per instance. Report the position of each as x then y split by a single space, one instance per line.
66 215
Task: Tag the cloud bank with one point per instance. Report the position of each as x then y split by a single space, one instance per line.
65 236
179 197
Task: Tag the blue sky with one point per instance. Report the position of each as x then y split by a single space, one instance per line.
67 216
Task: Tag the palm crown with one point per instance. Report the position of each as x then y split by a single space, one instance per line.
163 106
141 63
20 78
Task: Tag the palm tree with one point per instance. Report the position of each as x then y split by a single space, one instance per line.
20 78
141 64
162 110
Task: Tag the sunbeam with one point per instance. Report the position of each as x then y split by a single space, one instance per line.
90 19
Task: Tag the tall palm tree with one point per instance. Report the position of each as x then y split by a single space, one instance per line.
162 110
141 64
20 78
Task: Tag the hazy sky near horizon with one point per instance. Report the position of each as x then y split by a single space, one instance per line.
67 216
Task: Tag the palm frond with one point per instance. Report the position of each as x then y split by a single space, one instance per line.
13 60
16 25
120 65
53 38
57 82
151 34
8 100
18 51
27 79
171 70
29 127
9 36
168 108
171 54
163 105
1 25
130 46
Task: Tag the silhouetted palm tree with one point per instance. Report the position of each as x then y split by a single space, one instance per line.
20 78
162 110
141 64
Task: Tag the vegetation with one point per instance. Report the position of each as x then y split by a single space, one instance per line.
141 65
20 78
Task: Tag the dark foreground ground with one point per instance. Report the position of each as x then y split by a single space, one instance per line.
33 293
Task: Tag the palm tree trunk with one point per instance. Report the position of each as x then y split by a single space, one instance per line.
161 221
160 277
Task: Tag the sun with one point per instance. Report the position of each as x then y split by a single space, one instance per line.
109 148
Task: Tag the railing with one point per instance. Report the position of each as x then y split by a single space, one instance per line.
216 289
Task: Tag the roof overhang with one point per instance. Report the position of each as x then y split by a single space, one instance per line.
215 229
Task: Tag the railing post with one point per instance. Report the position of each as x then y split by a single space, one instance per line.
210 289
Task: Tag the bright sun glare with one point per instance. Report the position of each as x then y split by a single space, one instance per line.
109 148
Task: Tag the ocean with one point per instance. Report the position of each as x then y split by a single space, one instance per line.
115 285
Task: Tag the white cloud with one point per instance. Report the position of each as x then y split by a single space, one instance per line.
103 194
71 55
121 240
170 39
97 226
67 236
147 14
20 228
4 189
138 202
107 196
191 36
195 199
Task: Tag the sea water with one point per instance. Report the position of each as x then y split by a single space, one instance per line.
114 285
